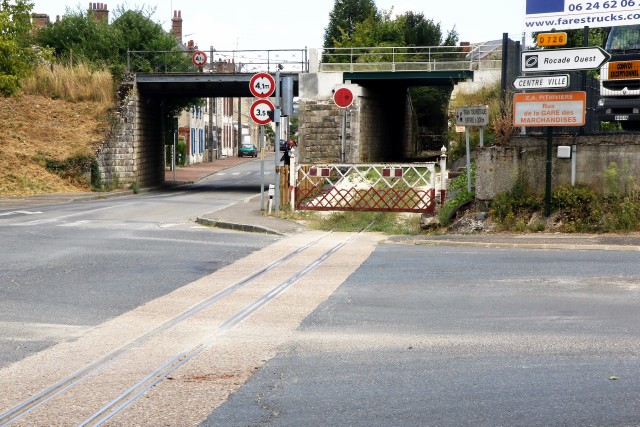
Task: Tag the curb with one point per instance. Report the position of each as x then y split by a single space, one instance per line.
543 246
236 226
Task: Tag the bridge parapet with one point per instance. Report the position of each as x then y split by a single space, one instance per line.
230 61
399 59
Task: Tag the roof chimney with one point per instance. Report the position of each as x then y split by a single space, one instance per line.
177 25
99 11
40 20
466 47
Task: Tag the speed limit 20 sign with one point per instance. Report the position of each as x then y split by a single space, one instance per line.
260 110
262 85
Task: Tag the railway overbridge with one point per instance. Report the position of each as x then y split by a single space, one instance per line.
374 128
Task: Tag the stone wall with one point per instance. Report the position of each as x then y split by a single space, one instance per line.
134 149
320 129
498 167
377 130
115 156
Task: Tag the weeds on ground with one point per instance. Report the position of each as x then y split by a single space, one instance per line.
462 195
577 209
348 221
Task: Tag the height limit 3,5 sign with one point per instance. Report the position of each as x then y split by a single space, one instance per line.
549 109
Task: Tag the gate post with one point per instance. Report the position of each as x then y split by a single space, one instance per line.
444 175
292 178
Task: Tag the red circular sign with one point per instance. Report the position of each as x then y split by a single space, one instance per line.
199 58
343 97
262 85
260 111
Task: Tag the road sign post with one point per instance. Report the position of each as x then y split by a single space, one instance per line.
477 115
343 98
549 109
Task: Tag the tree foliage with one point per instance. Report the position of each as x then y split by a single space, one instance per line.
78 35
378 28
344 17
16 53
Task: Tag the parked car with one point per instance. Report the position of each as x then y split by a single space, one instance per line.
283 145
247 150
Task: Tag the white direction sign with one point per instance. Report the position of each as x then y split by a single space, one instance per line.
580 58
557 81
477 115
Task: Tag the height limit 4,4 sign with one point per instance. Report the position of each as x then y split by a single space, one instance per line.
472 116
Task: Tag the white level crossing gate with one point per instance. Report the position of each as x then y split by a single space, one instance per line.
366 187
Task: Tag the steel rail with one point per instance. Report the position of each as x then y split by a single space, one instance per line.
72 380
137 390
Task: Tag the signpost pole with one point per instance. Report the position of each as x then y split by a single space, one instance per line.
466 134
276 117
262 168
547 196
344 135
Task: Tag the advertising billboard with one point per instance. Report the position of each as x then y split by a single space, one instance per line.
547 15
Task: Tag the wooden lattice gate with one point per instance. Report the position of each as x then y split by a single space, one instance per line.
362 187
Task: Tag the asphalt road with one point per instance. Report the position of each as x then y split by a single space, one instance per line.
68 267
438 336
417 335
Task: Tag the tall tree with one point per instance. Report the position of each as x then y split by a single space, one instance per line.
344 17
16 54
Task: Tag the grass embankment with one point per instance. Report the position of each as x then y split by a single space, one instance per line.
51 129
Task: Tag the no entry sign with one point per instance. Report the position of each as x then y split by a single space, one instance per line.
343 97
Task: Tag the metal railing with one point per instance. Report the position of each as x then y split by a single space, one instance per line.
399 59
230 61
352 59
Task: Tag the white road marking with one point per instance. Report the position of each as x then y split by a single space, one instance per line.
73 224
55 219
20 212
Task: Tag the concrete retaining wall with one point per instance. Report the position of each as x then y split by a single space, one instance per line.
497 168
